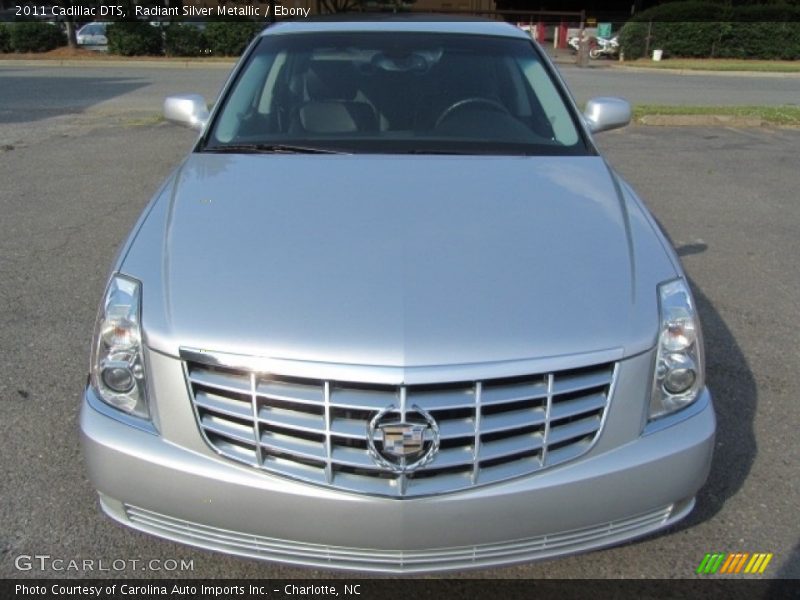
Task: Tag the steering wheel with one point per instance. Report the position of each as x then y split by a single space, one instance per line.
467 102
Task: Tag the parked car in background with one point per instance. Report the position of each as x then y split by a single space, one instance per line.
92 35
396 313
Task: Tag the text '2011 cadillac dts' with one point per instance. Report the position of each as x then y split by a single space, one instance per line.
395 313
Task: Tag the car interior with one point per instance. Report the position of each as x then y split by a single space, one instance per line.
438 94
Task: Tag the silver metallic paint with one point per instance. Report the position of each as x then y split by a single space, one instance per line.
344 267
659 469
187 109
603 114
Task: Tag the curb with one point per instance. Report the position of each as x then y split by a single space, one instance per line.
700 121
697 72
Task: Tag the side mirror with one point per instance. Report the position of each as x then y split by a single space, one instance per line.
602 114
187 109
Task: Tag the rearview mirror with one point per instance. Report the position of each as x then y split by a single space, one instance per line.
602 114
187 109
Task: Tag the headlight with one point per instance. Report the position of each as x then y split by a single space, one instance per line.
679 371
117 369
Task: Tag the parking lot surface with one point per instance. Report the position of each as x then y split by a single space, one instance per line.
74 178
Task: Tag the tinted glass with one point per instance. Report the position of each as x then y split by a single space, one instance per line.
397 93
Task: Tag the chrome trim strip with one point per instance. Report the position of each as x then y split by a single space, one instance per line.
113 413
612 388
547 410
609 399
386 375
476 445
378 560
256 422
201 429
403 401
695 408
328 448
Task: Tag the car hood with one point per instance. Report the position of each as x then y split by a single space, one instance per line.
397 261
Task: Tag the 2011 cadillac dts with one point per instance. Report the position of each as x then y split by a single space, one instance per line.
396 313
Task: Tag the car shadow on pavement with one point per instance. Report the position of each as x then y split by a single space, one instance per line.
735 395
790 569
28 99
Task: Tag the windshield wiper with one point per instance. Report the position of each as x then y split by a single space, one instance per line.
465 153
444 152
270 149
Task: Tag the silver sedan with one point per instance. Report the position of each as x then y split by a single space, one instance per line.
396 313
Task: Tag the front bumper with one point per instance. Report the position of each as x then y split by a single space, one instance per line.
189 494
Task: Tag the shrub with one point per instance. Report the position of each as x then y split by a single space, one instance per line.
35 37
770 31
768 40
772 13
230 38
705 30
678 28
632 39
5 38
183 40
133 38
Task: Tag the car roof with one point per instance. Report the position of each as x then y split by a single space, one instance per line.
396 23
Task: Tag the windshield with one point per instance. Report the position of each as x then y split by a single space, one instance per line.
395 93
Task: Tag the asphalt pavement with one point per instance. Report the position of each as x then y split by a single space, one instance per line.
32 92
687 89
74 177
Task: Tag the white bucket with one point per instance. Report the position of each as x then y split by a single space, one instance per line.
657 54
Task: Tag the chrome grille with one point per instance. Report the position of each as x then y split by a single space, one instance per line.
316 430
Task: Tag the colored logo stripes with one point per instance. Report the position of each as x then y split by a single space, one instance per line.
737 562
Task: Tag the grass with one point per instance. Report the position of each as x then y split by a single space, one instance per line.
719 64
143 121
774 115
